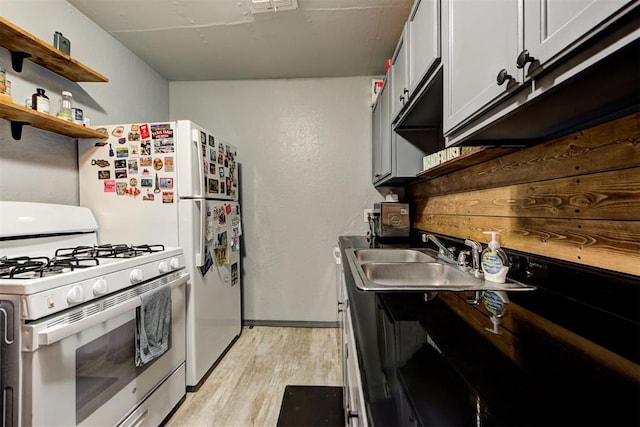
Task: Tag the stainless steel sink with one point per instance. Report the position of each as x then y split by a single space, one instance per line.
391 270
392 255
418 275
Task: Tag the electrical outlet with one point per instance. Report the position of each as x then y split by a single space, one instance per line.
367 212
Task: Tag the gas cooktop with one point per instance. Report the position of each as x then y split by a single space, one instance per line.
69 259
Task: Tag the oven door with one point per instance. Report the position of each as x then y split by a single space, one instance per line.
79 367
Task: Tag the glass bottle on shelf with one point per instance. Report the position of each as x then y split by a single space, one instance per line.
40 101
66 106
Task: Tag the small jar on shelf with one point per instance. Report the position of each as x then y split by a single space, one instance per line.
66 106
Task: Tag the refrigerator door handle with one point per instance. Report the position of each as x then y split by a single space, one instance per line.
201 230
195 138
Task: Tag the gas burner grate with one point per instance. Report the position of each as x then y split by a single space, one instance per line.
73 262
20 266
109 251
148 248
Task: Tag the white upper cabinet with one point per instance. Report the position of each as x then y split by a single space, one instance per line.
400 75
424 36
552 26
482 40
493 49
381 128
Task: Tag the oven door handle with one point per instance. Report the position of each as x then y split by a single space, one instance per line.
34 337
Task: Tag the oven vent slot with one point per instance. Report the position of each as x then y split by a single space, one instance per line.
133 293
76 316
91 309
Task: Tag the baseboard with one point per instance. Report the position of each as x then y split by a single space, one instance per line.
291 323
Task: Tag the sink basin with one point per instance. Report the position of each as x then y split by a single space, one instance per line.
392 255
418 276
417 270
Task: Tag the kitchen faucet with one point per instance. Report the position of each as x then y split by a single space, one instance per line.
444 253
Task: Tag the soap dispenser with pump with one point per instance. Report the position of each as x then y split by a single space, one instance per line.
494 260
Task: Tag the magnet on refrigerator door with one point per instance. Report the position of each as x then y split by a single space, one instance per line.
168 164
133 166
235 240
100 163
144 131
208 262
109 186
221 249
209 225
213 185
167 197
161 131
133 136
234 274
162 146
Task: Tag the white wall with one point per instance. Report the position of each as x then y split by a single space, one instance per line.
42 166
305 155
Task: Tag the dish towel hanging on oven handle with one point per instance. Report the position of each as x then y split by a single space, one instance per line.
153 323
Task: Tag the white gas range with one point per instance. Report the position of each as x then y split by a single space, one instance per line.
70 313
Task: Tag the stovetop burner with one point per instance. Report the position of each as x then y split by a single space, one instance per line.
109 251
31 267
69 259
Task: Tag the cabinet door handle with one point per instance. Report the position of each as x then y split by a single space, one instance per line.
401 98
352 414
405 91
523 58
503 76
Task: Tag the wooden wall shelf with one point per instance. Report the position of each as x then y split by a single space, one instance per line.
24 45
20 116
474 156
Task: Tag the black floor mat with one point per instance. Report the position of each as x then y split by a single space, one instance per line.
311 406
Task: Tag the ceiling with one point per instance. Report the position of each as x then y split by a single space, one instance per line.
192 40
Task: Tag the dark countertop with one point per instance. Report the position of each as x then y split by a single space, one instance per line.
422 364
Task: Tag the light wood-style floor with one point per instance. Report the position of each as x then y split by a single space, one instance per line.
247 386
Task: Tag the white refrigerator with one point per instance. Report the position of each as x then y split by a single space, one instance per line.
176 184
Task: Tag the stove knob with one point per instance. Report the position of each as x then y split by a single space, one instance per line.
136 276
164 267
174 263
75 295
100 287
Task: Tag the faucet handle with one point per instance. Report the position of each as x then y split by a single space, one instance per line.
462 259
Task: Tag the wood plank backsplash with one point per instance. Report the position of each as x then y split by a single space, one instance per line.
575 198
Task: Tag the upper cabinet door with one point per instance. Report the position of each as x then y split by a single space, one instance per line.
553 26
400 76
424 35
382 141
376 135
480 41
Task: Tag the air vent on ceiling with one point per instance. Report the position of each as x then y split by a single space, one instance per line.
263 6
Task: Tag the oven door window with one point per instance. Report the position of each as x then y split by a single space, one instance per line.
105 366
